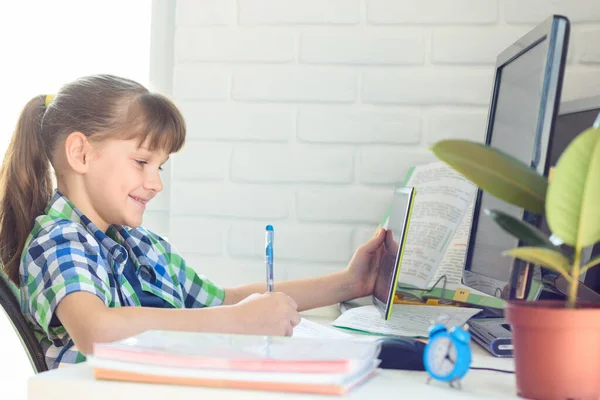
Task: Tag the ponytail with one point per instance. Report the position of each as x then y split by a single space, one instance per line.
25 185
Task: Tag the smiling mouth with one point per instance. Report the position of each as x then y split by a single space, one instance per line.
142 201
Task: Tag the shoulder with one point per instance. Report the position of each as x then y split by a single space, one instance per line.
58 254
51 235
60 230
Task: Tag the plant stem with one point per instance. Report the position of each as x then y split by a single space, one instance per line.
574 284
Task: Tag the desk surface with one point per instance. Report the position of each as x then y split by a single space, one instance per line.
77 382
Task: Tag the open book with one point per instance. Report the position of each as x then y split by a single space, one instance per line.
438 237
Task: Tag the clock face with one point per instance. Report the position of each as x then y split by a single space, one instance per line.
442 356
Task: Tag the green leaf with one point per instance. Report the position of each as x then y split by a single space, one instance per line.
551 259
572 207
495 172
527 233
589 264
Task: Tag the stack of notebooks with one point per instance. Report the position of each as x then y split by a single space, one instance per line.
304 365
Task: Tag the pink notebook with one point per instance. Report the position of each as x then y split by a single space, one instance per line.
194 350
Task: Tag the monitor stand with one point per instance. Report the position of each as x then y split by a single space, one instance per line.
560 285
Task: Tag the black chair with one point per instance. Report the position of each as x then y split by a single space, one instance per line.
11 307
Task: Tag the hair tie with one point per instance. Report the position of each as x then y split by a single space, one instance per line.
49 98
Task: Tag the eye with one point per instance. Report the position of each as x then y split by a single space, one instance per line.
141 162
160 168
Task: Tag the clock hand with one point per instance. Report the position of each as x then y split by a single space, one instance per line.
448 349
447 357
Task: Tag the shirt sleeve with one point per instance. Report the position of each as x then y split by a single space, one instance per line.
198 290
64 260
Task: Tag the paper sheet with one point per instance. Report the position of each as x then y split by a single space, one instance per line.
406 320
453 261
309 329
442 197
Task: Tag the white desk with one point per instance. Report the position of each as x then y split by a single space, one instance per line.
77 382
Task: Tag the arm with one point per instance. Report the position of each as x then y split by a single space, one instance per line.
355 281
88 320
308 293
77 292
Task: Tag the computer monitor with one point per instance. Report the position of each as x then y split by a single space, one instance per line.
574 117
521 118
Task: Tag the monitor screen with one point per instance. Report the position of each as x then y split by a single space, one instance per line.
575 117
519 125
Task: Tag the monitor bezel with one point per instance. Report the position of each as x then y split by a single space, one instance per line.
555 31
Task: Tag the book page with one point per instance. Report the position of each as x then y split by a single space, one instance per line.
453 260
224 349
309 329
441 199
406 320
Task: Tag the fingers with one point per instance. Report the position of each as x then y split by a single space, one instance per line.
390 243
389 237
295 319
294 316
292 303
375 242
289 330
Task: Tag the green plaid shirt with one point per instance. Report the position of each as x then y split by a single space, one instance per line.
67 253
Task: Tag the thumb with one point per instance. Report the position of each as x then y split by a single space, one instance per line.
375 242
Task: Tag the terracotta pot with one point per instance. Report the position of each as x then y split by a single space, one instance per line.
557 350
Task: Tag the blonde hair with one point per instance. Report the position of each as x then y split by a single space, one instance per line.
100 107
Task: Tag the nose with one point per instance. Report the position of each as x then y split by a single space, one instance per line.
153 181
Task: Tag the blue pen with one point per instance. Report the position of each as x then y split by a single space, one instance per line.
269 257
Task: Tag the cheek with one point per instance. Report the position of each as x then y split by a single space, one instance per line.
129 178
102 176
114 176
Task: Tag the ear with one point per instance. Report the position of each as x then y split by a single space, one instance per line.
77 151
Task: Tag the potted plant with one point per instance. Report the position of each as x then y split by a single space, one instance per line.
556 343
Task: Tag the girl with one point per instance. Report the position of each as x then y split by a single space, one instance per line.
86 268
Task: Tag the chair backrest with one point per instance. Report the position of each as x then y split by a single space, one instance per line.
10 305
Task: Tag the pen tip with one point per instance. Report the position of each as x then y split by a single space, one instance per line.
269 227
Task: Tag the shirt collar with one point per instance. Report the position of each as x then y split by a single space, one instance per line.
61 207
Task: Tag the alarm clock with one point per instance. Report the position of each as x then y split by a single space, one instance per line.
447 355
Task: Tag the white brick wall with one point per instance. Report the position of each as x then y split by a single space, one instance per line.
589 50
428 86
281 163
358 46
576 10
294 84
292 12
305 113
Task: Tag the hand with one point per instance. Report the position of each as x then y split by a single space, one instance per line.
271 313
364 265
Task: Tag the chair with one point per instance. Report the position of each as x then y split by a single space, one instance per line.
10 305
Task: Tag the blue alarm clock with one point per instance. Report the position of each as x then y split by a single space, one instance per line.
447 355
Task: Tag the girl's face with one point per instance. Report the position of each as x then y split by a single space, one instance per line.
122 179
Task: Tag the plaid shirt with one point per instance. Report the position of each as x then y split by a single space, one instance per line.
67 253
